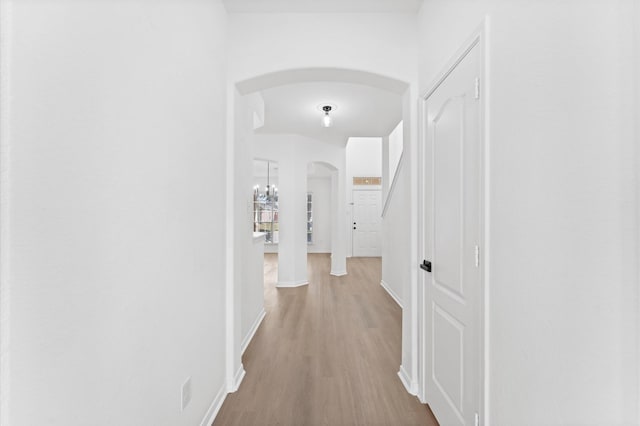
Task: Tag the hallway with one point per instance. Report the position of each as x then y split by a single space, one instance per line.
325 354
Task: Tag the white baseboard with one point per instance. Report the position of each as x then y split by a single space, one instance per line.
392 293
409 385
215 406
252 331
339 274
291 284
314 250
237 379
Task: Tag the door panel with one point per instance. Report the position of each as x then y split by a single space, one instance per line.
447 135
448 370
452 232
366 223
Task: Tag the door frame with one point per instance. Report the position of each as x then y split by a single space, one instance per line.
479 38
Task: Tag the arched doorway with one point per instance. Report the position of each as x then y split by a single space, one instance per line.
259 132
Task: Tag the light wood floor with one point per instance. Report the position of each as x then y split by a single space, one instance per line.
326 354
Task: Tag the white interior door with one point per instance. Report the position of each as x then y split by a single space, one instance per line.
453 188
366 223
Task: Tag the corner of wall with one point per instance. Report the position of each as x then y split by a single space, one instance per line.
252 331
5 37
391 293
636 71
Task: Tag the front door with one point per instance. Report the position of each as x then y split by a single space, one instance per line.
366 223
453 186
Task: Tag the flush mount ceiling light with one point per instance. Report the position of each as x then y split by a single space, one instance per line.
326 108
327 121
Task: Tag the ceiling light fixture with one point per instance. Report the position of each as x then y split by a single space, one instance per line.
327 121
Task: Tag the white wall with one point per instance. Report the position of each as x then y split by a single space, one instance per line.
321 207
239 231
396 140
385 168
382 43
636 72
252 301
395 223
5 303
562 327
396 264
116 248
364 157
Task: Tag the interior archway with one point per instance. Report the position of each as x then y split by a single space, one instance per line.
252 137
381 99
328 74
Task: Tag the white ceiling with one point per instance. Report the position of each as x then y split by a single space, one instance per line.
362 111
323 6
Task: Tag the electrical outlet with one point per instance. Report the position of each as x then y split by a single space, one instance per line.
186 393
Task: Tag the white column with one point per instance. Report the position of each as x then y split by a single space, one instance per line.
409 368
338 223
236 145
292 196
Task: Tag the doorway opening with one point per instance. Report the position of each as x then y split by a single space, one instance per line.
274 119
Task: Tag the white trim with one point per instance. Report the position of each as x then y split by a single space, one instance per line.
485 261
252 331
367 187
452 64
291 284
479 38
214 408
234 385
5 286
313 248
636 14
409 385
392 293
412 304
421 295
392 188
230 350
339 274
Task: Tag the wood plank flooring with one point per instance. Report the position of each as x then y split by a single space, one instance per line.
326 354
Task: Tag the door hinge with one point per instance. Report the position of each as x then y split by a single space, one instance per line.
477 92
477 420
477 255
